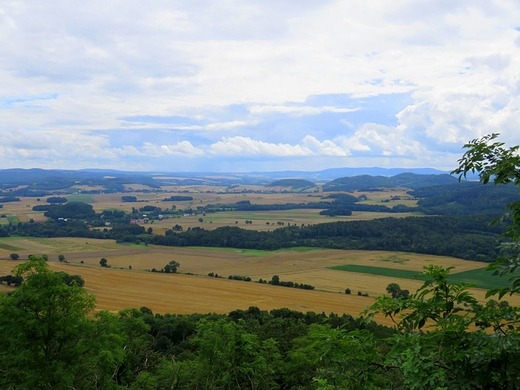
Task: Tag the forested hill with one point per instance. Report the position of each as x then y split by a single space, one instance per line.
294 183
465 198
407 180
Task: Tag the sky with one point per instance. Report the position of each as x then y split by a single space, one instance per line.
241 86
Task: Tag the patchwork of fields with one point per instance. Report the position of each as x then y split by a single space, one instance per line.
127 283
262 220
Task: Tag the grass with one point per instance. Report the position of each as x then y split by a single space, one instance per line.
85 198
364 269
480 278
255 252
394 259
8 247
133 245
13 220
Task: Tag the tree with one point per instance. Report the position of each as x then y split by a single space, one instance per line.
61 258
395 290
500 165
171 267
14 256
103 262
44 331
275 280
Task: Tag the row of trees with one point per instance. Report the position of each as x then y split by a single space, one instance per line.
467 237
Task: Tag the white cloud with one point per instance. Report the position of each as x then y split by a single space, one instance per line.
238 146
325 148
183 148
245 146
299 110
68 69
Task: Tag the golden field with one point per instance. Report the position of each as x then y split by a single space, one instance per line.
191 290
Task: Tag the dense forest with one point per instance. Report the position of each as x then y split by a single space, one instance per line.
405 180
295 183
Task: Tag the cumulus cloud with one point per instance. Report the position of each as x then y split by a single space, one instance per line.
244 146
183 148
71 70
237 146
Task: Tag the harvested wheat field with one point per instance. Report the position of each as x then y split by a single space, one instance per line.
120 287
176 293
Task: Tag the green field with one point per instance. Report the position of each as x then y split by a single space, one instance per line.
481 278
478 277
255 252
85 198
8 247
13 220
364 269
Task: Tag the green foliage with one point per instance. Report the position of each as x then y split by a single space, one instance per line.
238 277
451 353
500 165
228 357
171 267
78 210
56 199
6 199
14 256
103 262
43 324
395 290
178 198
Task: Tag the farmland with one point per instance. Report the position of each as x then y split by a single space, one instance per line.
204 195
119 287
128 282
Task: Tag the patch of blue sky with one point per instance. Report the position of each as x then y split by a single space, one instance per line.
29 100
162 120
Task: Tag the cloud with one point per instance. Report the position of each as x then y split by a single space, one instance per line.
299 110
237 146
184 148
245 146
259 78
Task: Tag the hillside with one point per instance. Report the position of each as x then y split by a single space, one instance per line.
408 180
294 183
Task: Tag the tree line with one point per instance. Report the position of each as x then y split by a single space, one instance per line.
465 237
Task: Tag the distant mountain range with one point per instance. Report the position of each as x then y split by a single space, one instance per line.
29 182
